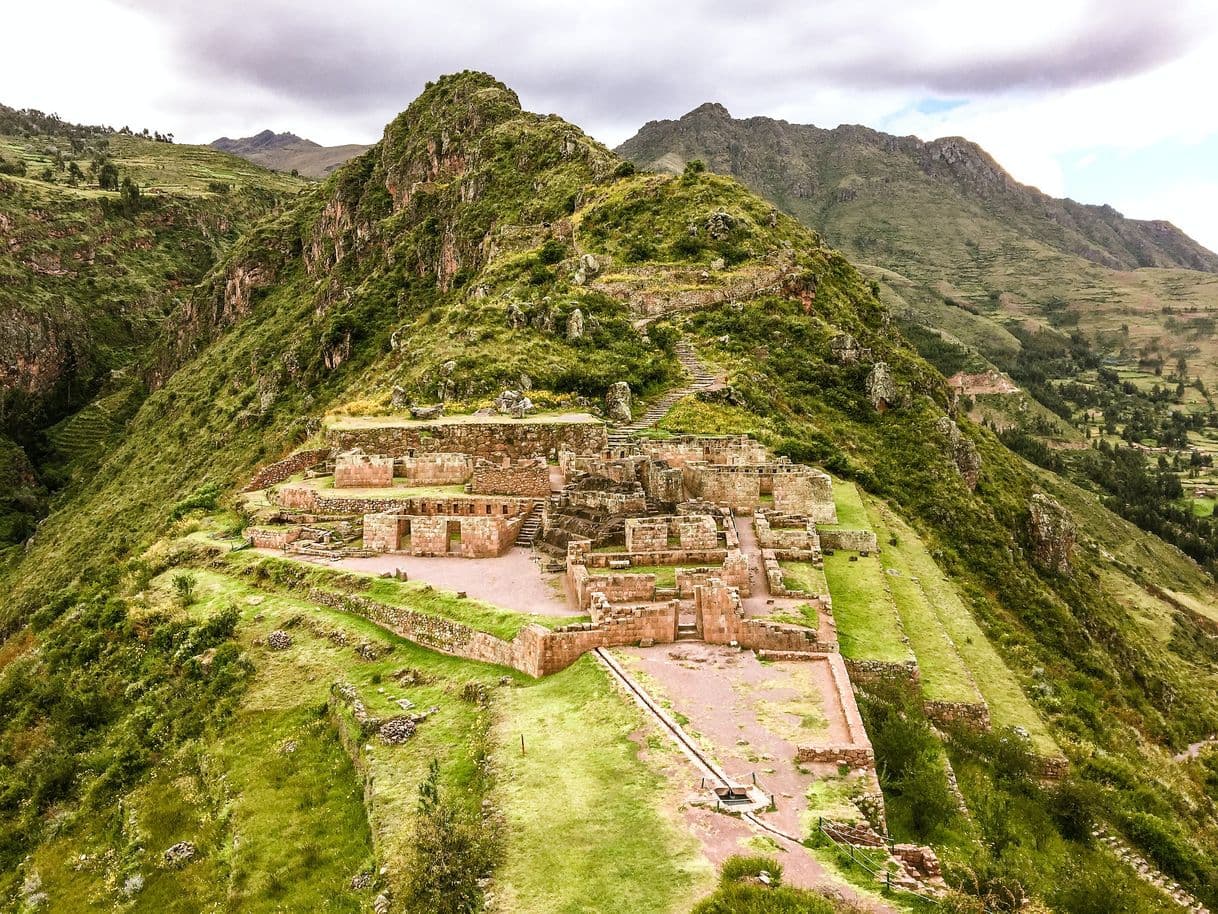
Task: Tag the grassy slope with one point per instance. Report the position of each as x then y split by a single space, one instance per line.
602 824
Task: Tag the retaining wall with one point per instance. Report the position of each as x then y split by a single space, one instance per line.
277 472
480 439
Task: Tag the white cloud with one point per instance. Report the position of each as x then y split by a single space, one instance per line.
1044 81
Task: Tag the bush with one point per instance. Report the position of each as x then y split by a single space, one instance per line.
450 853
184 587
624 169
552 251
204 498
739 868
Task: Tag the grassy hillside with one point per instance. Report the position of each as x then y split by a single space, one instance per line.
91 276
448 258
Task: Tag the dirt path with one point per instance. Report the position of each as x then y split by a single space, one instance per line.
513 580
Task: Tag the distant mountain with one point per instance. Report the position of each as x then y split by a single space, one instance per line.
958 245
287 151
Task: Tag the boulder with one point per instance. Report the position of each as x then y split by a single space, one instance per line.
617 402
881 389
589 264
963 451
844 349
399 397
513 403
719 225
180 853
516 318
278 640
1052 533
575 325
427 412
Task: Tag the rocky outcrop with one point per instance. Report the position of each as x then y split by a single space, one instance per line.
575 325
962 450
1052 534
617 402
881 389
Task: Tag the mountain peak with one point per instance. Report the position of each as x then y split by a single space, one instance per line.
709 109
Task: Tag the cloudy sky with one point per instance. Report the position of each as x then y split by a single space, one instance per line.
1101 100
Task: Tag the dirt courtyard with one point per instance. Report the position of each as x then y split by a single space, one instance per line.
512 581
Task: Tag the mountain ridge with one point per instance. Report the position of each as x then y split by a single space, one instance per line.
288 152
1110 238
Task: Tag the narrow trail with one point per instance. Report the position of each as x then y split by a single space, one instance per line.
699 377
1147 872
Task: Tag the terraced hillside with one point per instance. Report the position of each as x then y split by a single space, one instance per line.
148 696
91 278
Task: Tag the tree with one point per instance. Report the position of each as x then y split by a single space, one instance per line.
75 175
693 168
107 176
451 852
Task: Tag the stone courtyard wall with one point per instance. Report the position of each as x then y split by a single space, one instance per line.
438 469
856 751
363 471
277 472
529 478
272 537
480 439
849 540
803 490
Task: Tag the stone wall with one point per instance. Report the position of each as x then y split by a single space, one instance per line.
772 638
872 670
655 534
296 496
728 486
856 751
526 478
272 537
794 536
437 469
975 714
362 471
277 472
491 439
623 588
466 536
802 490
849 540
664 483
646 534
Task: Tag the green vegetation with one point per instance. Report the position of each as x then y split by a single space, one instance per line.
740 891
666 575
603 829
868 626
805 577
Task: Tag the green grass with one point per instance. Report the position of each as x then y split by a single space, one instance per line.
1009 706
804 576
589 821
851 514
868 626
666 575
944 675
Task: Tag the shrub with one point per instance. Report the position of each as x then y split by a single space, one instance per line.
624 169
552 251
184 588
204 498
738 868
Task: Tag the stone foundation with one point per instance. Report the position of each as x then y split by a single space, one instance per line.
277 472
438 469
849 540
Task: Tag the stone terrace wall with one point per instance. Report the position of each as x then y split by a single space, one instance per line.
535 651
362 471
438 469
529 478
272 537
856 751
480 439
277 472
849 540
727 486
976 714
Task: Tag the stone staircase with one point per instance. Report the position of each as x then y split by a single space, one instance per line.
687 631
1147 872
530 527
700 377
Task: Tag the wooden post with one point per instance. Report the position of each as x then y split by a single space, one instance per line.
522 744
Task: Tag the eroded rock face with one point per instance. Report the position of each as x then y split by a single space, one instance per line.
881 389
617 402
963 451
180 853
845 349
1052 533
